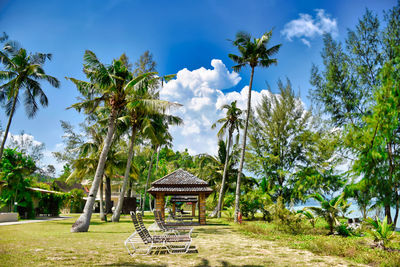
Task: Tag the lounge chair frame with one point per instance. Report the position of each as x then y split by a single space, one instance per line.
170 228
141 242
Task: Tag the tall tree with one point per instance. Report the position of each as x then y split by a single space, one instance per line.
211 168
109 85
352 87
289 147
253 53
157 131
230 123
141 104
22 73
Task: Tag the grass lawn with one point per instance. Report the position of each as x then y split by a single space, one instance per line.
316 240
219 244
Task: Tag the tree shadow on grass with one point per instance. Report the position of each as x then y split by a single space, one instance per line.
212 231
134 264
206 263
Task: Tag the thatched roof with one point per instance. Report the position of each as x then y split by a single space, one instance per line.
180 182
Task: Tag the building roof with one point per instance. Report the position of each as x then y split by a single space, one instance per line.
43 190
180 182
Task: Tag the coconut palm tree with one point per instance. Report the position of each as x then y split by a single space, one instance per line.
230 123
84 167
157 131
253 52
109 85
141 104
211 168
329 210
22 73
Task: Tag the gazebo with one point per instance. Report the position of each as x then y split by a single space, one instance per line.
183 184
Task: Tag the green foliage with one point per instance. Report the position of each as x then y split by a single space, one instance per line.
330 209
345 230
211 168
358 88
253 201
381 230
14 168
308 215
75 200
51 203
362 193
286 220
22 71
291 149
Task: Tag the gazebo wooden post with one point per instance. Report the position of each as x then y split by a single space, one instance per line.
193 208
202 208
173 208
160 203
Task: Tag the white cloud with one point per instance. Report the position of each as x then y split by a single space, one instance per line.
306 27
200 91
306 42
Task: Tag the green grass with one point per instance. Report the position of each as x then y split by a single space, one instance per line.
219 244
316 240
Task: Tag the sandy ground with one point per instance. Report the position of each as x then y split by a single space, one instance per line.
222 246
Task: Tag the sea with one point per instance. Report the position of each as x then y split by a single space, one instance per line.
354 211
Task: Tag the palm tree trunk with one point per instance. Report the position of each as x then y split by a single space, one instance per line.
129 192
148 179
221 192
108 195
3 143
117 212
237 197
102 215
158 157
396 215
82 224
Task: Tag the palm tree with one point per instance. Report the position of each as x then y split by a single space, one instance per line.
211 168
109 85
329 209
253 53
231 122
157 131
22 71
141 104
84 167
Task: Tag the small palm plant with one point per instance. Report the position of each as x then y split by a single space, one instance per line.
381 230
308 215
329 209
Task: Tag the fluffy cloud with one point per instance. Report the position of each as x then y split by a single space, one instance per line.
306 27
200 92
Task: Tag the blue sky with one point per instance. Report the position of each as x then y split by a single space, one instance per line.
181 35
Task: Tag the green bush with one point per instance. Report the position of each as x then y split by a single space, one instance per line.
381 231
14 168
286 220
344 230
254 201
51 203
75 201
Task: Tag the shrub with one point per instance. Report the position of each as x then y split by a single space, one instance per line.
211 203
254 201
381 231
51 203
76 201
286 220
14 168
344 230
